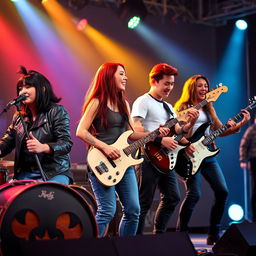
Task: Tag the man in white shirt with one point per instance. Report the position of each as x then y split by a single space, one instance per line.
149 111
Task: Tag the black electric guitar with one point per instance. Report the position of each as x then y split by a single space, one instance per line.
188 165
165 159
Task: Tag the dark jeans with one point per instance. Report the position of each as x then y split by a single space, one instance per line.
253 175
169 193
212 173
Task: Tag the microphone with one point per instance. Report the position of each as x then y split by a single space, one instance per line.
15 101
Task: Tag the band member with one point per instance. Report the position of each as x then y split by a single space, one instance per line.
194 91
248 160
148 112
106 115
49 134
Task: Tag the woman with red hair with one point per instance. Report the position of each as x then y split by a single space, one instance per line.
106 115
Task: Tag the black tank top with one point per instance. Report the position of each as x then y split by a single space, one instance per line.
116 126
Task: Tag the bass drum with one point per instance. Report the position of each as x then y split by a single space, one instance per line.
87 195
32 210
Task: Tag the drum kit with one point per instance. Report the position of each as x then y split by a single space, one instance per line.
25 206
6 169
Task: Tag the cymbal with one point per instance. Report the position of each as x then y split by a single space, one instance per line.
6 163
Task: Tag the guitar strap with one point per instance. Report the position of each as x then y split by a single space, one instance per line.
165 105
213 144
128 122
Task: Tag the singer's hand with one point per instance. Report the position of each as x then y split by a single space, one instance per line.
34 146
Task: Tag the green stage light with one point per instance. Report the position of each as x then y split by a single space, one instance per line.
133 22
132 12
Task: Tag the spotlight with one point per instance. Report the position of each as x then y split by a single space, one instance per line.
241 24
133 22
77 4
235 212
132 12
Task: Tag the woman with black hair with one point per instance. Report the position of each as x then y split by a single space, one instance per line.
47 124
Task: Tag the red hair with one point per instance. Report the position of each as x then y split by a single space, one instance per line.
103 88
158 71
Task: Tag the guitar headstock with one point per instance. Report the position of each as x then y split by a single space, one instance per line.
214 94
210 96
252 103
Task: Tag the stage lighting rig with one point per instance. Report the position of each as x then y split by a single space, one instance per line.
132 12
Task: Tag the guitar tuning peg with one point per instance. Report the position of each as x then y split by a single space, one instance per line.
220 84
213 88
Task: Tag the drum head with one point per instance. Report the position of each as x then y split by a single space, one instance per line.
43 211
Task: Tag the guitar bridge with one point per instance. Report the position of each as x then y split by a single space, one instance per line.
101 168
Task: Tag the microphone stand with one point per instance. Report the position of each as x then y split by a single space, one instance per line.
27 134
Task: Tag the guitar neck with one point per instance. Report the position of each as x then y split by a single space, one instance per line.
201 104
209 139
151 136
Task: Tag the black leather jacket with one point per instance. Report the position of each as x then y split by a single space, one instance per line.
52 128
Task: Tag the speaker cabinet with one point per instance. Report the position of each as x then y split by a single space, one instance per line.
174 244
239 239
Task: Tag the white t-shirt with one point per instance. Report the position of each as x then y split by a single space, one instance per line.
201 120
152 111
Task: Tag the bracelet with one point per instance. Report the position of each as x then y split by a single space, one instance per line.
158 141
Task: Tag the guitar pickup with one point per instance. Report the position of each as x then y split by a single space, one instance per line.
111 162
101 168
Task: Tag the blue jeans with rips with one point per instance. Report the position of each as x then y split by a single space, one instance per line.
127 191
212 173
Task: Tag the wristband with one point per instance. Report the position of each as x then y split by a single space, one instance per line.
158 141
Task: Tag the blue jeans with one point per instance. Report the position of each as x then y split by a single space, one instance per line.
63 179
150 179
127 190
212 173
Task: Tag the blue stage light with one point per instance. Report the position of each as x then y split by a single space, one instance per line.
241 24
235 212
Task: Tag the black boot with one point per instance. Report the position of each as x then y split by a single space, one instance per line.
213 235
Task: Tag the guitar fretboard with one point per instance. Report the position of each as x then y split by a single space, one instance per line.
209 139
151 136
201 104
